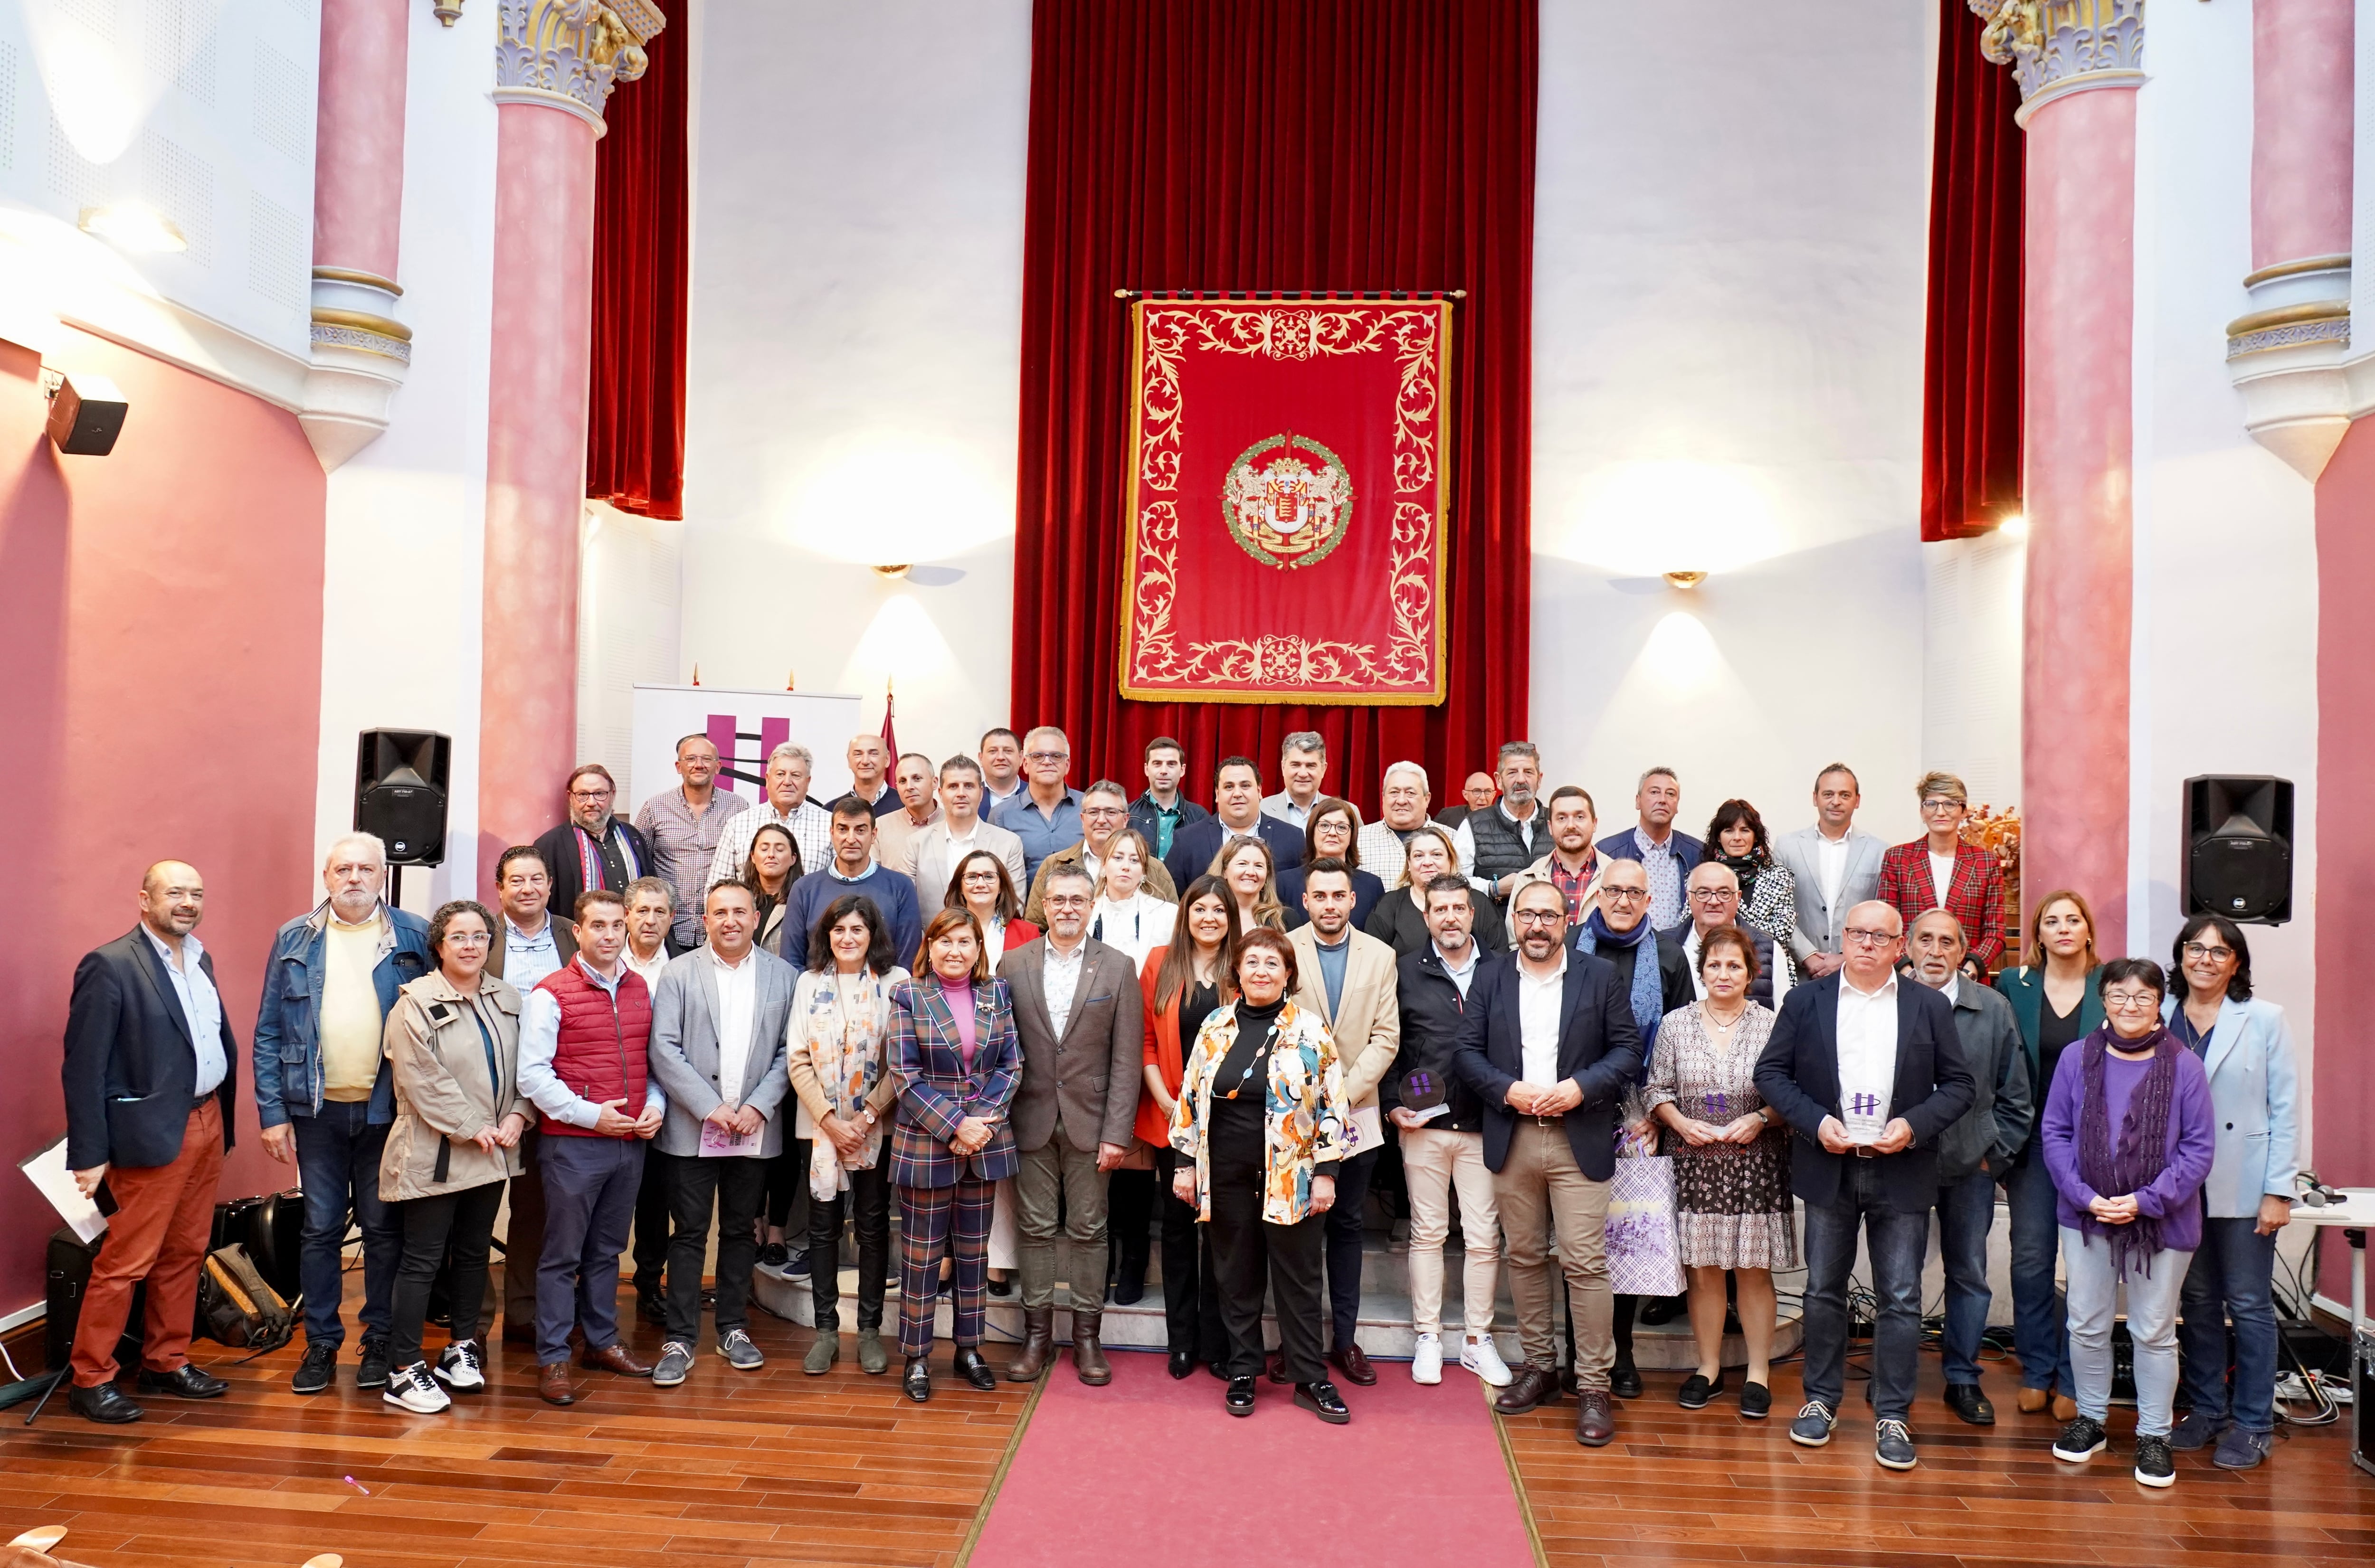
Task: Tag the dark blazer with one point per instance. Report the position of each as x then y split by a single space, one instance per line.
1798 1076
1091 1073
1760 990
565 941
1434 1015
1193 846
2025 989
1367 894
1688 849
557 848
131 1068
1598 1047
1396 923
936 1092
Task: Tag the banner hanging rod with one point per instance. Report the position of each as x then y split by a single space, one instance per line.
1313 296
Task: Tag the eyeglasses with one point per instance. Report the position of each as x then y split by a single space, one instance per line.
1048 756
1104 813
468 938
1712 895
1623 895
2215 955
1541 916
1930 806
1864 938
591 794
2131 1001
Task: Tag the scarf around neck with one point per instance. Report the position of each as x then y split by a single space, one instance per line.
1649 996
2117 1168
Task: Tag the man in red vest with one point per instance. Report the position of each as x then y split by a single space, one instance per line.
583 1034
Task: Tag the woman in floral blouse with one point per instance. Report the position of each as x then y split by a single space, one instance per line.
1262 1123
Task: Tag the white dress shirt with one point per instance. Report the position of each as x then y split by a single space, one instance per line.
1867 1045
201 1007
737 1010
1138 925
1831 868
529 957
1538 1021
1941 876
648 968
1059 977
539 1038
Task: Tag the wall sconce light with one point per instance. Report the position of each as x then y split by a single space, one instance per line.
891 573
133 225
2015 525
1685 579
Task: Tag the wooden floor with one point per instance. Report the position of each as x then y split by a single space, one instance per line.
1700 1487
729 1469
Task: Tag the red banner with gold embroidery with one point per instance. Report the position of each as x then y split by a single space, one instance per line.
1285 502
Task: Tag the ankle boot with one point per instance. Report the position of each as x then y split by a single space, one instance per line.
1088 1356
1038 1345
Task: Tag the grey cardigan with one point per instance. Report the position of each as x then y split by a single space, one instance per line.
683 1053
2003 1106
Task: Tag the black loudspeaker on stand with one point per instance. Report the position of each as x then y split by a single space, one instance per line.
2238 848
400 793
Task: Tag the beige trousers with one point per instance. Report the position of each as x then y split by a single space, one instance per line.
1435 1164
1539 1188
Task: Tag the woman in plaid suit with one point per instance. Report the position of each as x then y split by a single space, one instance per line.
1940 871
958 1062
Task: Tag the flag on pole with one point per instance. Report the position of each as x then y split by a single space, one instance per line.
890 735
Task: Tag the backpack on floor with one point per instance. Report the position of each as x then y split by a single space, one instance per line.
236 1307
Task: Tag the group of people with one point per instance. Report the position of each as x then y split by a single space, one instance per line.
1035 1017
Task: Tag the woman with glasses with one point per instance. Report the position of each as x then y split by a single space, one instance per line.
983 887
2129 1135
1332 829
2254 1088
1399 919
1940 871
2055 1003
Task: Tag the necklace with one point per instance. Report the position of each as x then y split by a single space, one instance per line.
1722 1025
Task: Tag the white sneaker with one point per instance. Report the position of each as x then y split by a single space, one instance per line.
459 1368
1427 1363
1483 1357
412 1388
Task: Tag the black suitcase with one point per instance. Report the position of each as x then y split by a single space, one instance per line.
70 1258
276 1229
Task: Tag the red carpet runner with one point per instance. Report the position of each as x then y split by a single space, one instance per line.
1149 1470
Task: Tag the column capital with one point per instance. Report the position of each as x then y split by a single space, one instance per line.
570 54
2064 46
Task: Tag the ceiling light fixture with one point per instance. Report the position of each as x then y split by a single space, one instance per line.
133 225
893 573
1685 579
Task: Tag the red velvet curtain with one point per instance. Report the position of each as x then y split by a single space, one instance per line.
1273 145
1970 405
634 434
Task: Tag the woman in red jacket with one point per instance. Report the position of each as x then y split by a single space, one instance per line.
1940 871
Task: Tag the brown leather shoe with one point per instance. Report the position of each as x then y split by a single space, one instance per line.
1595 1418
1350 1360
2065 1408
2033 1400
614 1359
1531 1386
553 1384
1088 1355
1038 1346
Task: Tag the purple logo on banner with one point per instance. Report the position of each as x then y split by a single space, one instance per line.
743 754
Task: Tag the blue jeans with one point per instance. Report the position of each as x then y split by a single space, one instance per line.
1899 1242
2231 1269
337 1161
1966 1212
2041 1319
589 1204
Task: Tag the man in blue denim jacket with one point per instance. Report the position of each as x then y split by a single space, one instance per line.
323 1086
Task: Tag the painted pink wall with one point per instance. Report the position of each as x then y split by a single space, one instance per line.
2343 1099
359 140
160 627
2300 129
2078 304
541 362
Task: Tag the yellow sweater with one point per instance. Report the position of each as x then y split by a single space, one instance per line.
351 1016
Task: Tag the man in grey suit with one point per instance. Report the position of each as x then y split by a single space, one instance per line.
1078 1010
718 1053
1836 865
932 852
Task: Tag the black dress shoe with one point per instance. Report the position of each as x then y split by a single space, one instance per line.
774 1254
102 1404
1183 1364
1239 1401
1625 1379
1698 1392
1322 1400
1655 1310
974 1370
918 1382
1966 1401
185 1382
652 1307
1276 1370
999 1288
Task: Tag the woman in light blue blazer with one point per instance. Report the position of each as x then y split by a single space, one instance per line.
2249 1053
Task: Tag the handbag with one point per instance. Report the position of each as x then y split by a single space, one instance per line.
1644 1255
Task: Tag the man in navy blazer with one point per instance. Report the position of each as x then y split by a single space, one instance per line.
1237 800
1549 1047
1666 855
150 1076
1868 1069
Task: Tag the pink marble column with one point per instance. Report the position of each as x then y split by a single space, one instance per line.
359 142
2079 305
2301 113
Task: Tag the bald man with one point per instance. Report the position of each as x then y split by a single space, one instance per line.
1868 1069
150 1076
869 761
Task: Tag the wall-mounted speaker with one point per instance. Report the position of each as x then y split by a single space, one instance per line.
400 792
2238 848
85 413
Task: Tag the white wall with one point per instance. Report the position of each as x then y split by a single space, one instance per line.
1970 663
2224 675
407 515
1730 223
630 588
855 361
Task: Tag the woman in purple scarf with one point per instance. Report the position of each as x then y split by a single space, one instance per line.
2129 1135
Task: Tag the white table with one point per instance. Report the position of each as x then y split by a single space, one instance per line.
2355 1216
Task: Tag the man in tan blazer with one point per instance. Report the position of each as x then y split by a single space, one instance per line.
1104 812
1349 978
932 851
1080 1015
